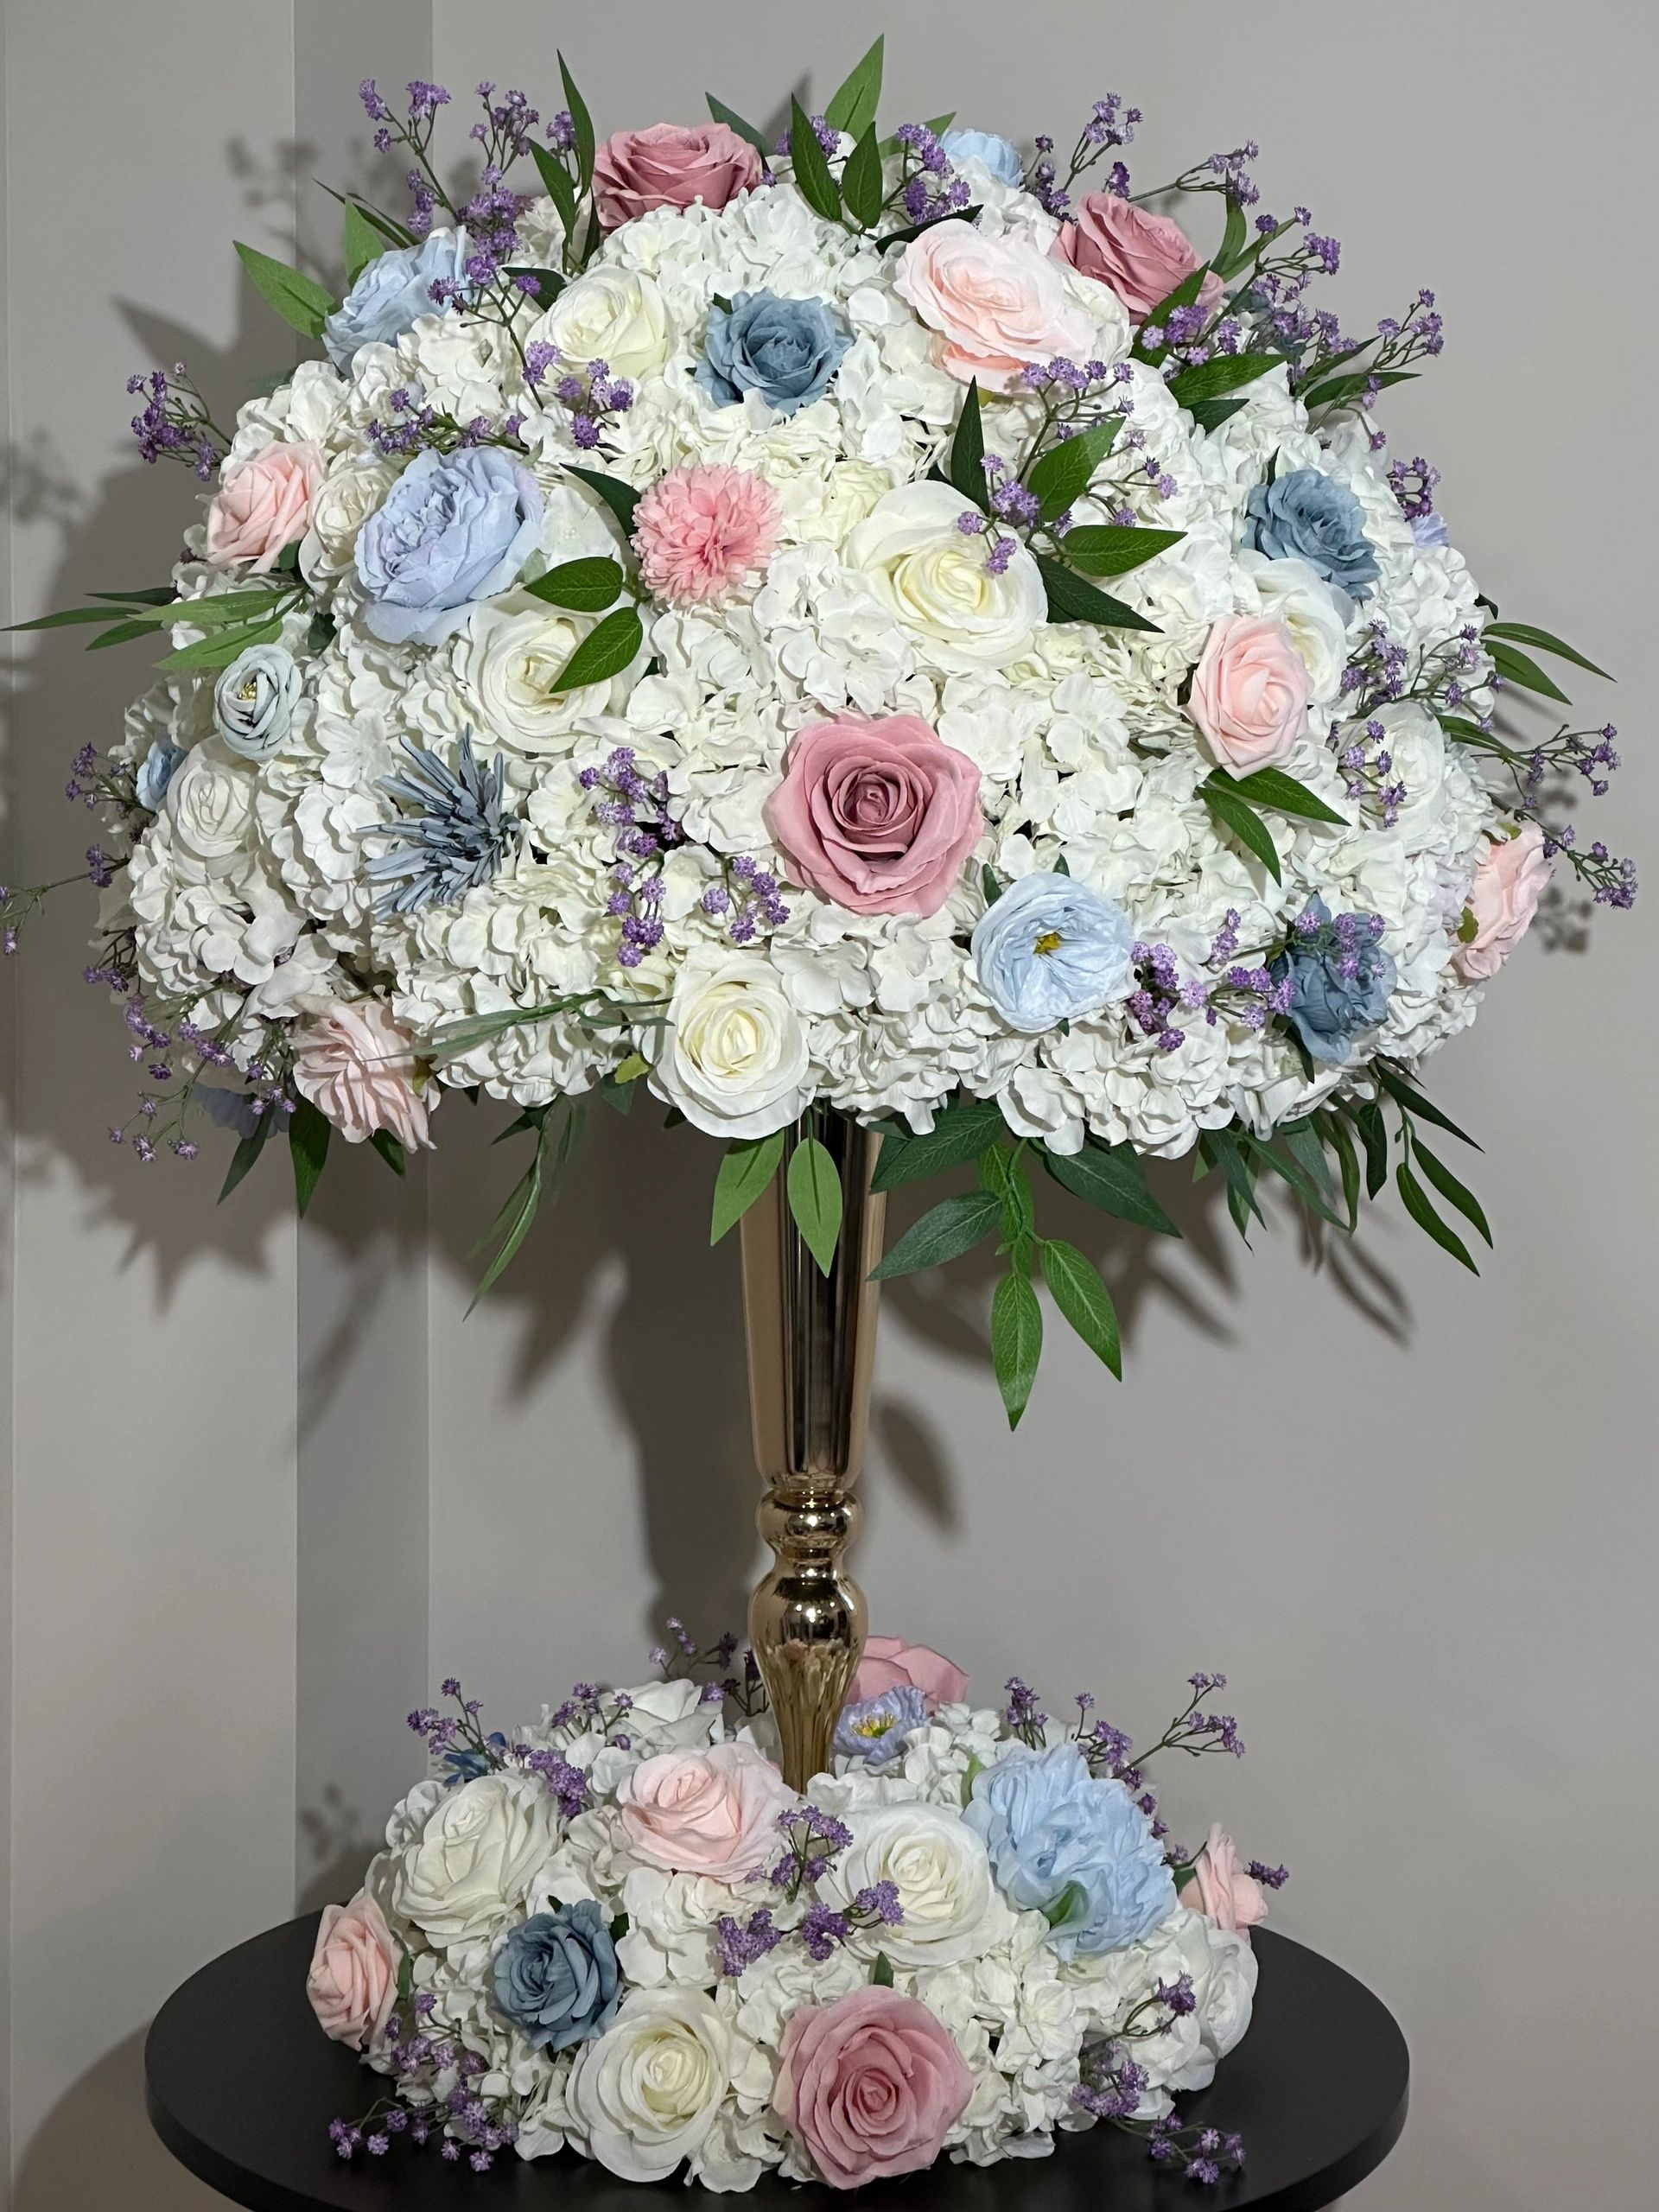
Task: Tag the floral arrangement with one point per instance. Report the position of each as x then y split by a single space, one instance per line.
869 622
621 1933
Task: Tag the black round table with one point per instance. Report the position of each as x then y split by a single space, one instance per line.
241 2085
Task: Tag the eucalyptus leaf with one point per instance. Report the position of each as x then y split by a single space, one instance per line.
220 647
1414 1103
1454 1192
1367 1118
1419 1207
1527 633
1518 668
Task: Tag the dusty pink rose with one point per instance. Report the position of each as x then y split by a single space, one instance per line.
354 1977
356 1064
878 816
1221 1890
670 165
1142 257
711 1812
871 2084
995 304
262 505
1508 883
890 1663
1250 691
700 531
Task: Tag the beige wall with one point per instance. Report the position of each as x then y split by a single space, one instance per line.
266 1484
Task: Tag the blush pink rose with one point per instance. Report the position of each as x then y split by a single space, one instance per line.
872 2085
890 1663
1142 257
670 165
1222 1891
356 1064
262 505
353 1976
878 816
1508 883
701 532
1250 691
996 304
711 1812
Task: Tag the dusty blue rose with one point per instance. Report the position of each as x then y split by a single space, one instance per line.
453 530
1308 516
876 1729
155 773
1340 978
557 1978
254 701
1052 949
786 350
1072 1845
393 292
991 152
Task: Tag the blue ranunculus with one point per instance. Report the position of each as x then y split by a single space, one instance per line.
453 530
1051 950
393 292
1308 516
1340 978
991 152
876 1729
254 701
557 1978
155 773
1073 1846
786 350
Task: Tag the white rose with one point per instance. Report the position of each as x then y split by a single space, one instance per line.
345 499
644 2095
506 660
825 508
210 805
613 315
942 1873
1184 2054
732 1056
475 1857
1314 612
938 583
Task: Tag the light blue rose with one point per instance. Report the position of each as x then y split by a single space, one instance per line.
876 1729
452 531
1308 516
556 1979
254 701
393 292
1051 950
155 773
991 152
1072 1845
1340 981
786 350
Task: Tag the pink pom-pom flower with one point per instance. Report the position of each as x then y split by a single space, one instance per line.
702 531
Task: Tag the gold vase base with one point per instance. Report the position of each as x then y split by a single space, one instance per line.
807 1622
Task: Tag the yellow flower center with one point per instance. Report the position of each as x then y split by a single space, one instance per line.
873 1724
1050 941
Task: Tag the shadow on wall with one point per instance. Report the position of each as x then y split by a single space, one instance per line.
95 2149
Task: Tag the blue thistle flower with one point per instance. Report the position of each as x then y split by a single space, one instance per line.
455 837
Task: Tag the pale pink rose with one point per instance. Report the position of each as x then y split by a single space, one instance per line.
1508 883
1142 257
670 165
890 1663
1222 1891
263 503
354 1977
995 303
878 816
702 531
872 2084
356 1064
712 1812
1250 691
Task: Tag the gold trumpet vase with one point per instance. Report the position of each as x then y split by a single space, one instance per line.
812 1343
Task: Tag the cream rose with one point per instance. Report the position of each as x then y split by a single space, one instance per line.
939 584
473 1862
941 1871
613 315
210 805
345 500
995 304
732 1056
1315 612
505 662
644 2094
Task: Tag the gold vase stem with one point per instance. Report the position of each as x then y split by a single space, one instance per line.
811 1346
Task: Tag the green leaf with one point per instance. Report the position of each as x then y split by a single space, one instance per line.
308 1132
852 106
1526 634
881 1972
622 499
1210 414
581 126
1336 391
1294 1173
748 1167
1233 240
153 596
123 634
1071 600
1303 1141
970 1774
1061 475
247 1151
1016 1341
220 647
381 224
814 1191
1234 812
939 125
589 586
405 1974
914 229
861 182
960 1133
1000 1173
632 1069
968 451
548 283
1184 295
948 1229
1072 1899
1422 1212
1108 549
812 178
1221 1148
1454 1192
1112 1177
607 649
66 618
1414 1102
363 243
390 1150
541 1178
729 116
1367 1118
1284 794
1075 1284
1340 1137
988 885
555 183
302 304
1519 668
1221 374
